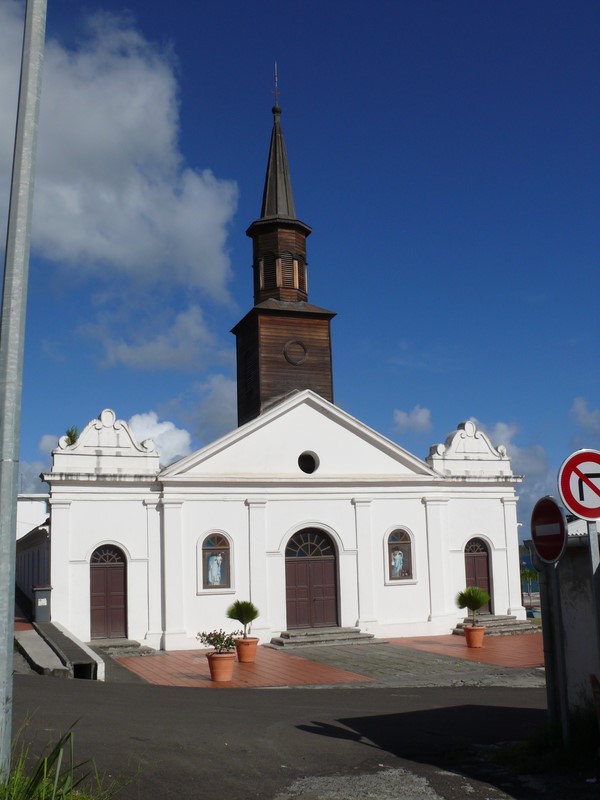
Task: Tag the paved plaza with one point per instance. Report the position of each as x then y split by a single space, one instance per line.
422 661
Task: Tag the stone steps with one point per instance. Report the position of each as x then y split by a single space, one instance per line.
120 648
314 637
499 625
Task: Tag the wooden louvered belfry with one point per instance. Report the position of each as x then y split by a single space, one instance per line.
284 342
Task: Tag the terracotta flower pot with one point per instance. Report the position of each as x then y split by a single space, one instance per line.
221 666
246 649
474 635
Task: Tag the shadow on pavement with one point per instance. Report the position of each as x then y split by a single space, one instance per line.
461 740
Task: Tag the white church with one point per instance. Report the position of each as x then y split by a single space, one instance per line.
315 517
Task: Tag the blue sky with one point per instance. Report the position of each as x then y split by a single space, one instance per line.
445 154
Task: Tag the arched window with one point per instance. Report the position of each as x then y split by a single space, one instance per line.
216 562
310 543
107 554
399 551
476 546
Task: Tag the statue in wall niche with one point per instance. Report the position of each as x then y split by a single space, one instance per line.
214 569
397 563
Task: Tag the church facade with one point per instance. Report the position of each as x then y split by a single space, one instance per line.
303 509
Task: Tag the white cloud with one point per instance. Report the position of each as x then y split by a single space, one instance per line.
186 344
499 433
48 443
209 408
531 462
29 477
217 409
170 442
587 419
112 191
418 420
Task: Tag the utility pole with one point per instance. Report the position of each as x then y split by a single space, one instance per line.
12 341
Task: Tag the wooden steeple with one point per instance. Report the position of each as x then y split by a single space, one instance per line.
283 343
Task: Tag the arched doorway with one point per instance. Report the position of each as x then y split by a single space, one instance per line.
108 593
311 580
477 568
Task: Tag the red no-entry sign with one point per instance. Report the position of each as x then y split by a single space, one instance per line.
579 484
548 529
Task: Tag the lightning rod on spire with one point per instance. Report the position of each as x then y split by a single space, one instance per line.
276 91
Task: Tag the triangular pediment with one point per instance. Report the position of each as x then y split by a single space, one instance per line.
271 445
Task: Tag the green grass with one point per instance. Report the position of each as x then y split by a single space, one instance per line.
53 776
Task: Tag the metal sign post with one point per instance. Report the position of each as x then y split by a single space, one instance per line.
595 564
549 536
579 487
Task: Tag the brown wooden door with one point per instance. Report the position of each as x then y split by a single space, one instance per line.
477 568
108 596
297 589
311 581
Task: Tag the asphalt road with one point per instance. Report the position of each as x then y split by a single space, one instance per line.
278 744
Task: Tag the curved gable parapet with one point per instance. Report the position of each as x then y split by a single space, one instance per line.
107 446
468 451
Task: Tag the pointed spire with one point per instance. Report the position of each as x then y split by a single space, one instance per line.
279 237
278 200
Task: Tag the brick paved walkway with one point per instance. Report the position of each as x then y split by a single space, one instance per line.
418 661
525 650
271 668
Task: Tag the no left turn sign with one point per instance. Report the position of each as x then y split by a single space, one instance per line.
579 484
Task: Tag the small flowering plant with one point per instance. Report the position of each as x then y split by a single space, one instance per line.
221 641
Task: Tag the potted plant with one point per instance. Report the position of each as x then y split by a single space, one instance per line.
473 598
221 658
244 612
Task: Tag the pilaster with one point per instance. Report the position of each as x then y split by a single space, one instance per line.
513 570
154 572
60 525
437 556
364 561
173 586
257 562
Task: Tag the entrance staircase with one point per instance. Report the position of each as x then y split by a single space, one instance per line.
498 625
120 648
304 637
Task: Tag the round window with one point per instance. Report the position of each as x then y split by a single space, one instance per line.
308 462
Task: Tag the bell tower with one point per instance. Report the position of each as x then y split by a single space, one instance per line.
284 342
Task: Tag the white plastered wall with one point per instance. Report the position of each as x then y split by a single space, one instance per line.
248 487
81 524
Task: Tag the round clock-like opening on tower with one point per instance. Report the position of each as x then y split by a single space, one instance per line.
295 352
308 462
